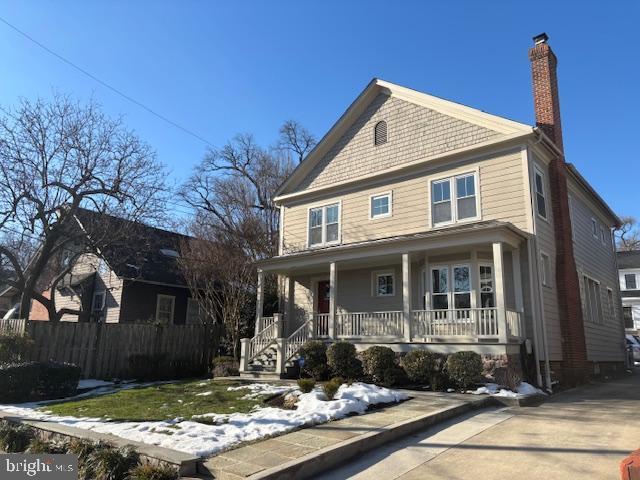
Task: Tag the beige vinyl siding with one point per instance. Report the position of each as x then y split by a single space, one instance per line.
414 132
605 338
546 244
108 281
501 188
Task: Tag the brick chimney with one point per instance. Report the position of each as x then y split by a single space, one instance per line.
547 109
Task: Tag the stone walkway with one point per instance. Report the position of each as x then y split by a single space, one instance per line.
294 455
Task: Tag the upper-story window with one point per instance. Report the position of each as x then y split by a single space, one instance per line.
324 225
380 133
380 205
460 187
546 269
541 196
603 237
630 281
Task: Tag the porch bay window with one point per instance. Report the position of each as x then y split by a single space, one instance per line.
440 288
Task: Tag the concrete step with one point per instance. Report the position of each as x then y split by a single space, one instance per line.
261 374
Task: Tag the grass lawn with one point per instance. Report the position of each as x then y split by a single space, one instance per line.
159 402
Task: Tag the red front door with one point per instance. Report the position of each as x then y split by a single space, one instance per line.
323 296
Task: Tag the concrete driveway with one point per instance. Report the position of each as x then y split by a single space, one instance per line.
583 433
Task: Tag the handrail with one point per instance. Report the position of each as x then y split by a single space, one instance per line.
262 340
296 340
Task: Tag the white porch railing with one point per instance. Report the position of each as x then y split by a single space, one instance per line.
321 324
370 324
515 327
263 339
467 322
296 340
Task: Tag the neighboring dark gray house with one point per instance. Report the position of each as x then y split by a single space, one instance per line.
134 281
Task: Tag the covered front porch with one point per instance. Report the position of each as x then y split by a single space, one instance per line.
432 289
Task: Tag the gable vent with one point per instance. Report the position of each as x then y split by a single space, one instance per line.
380 133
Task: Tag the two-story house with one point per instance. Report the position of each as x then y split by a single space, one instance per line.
629 270
417 222
135 279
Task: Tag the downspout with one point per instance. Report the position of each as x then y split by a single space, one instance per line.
535 265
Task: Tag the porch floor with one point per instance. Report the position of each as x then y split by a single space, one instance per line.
309 451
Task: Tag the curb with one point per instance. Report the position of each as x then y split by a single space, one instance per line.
329 457
184 463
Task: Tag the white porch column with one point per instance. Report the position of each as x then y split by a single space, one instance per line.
427 283
290 305
406 295
517 286
244 354
500 292
333 293
474 279
277 319
280 351
259 301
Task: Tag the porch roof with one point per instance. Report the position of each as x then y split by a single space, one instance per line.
455 236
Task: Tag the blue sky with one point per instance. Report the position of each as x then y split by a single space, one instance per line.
221 68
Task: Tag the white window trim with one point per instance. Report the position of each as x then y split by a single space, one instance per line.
389 195
546 282
93 300
537 170
493 283
603 237
587 298
374 279
594 226
173 307
324 206
453 286
453 190
448 293
611 302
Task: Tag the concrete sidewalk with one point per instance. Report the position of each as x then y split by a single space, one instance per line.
583 433
308 451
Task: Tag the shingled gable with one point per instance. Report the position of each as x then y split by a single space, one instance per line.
440 125
148 254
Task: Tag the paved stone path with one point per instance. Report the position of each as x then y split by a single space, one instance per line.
583 433
261 456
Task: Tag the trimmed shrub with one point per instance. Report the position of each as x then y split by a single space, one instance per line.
343 360
57 380
394 376
439 380
151 472
331 387
306 384
419 366
464 368
18 382
15 438
14 348
314 353
376 361
43 446
225 367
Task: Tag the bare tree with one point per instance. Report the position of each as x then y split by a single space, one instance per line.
296 139
221 277
628 235
58 158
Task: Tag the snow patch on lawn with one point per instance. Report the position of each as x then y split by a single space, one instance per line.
522 390
230 429
259 389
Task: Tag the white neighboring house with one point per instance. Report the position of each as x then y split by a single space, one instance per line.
629 271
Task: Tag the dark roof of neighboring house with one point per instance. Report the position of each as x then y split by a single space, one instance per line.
145 253
629 259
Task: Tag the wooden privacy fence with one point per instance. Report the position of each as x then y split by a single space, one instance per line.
122 350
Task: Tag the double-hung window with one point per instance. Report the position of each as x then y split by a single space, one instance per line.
324 225
630 281
380 205
627 315
440 288
541 197
462 189
592 300
165 306
97 305
487 294
384 286
461 287
546 269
